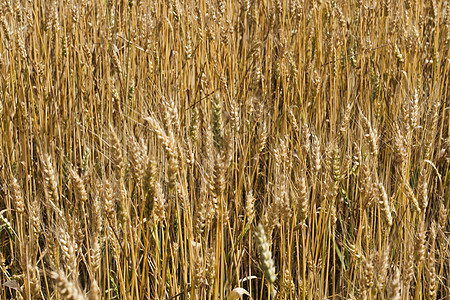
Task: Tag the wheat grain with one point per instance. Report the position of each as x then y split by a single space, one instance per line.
17 196
50 179
67 289
394 290
80 189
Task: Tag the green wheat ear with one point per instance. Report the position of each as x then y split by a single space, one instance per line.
267 264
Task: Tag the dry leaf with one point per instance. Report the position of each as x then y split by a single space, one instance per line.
237 293
12 284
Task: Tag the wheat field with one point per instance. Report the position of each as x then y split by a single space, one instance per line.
224 149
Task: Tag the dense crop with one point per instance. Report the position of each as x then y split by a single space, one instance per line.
218 148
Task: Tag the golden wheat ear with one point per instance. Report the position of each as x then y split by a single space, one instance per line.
67 289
